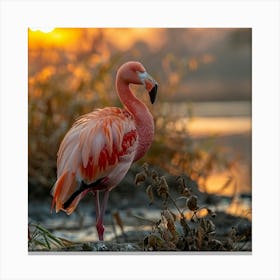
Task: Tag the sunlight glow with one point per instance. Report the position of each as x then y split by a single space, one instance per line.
42 29
53 37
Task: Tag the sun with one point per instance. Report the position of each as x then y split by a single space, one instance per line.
42 29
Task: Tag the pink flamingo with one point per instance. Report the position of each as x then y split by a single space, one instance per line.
98 150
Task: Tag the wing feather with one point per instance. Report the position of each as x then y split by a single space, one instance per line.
85 145
99 144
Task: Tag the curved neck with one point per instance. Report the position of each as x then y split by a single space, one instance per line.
143 118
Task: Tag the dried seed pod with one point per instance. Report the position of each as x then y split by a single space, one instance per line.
154 175
150 193
181 182
192 203
158 223
216 244
233 234
165 234
174 215
186 192
146 167
163 188
200 235
203 224
185 226
154 242
211 213
168 216
140 177
170 225
210 226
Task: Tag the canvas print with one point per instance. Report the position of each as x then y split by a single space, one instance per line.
139 140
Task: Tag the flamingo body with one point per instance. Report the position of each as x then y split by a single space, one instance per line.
101 144
98 150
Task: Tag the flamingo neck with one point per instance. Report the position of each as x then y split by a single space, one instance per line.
143 118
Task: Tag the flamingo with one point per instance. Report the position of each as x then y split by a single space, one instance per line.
98 150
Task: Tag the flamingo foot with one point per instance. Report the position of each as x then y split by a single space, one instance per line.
100 246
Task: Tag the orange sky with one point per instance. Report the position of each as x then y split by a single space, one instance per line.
77 38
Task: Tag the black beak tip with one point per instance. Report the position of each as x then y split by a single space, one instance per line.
153 93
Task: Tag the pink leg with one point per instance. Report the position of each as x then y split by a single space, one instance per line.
99 221
97 204
97 210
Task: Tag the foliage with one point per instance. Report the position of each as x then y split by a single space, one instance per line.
183 224
40 238
174 230
62 86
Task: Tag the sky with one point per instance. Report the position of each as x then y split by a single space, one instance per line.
204 64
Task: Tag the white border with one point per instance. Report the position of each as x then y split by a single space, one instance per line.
262 16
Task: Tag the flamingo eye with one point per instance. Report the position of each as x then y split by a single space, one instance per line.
142 76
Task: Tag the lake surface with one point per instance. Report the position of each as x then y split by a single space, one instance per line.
231 125
207 109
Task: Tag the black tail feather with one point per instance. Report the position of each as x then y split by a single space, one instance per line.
83 187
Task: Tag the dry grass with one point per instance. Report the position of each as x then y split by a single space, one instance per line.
182 225
192 227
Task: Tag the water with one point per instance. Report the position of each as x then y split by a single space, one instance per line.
207 109
230 123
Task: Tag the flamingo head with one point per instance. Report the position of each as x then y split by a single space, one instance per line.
134 73
150 84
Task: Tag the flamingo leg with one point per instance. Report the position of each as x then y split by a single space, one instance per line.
97 204
100 216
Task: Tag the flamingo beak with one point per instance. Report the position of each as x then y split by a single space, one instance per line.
153 93
150 84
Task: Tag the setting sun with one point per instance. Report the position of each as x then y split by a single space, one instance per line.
53 37
42 29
